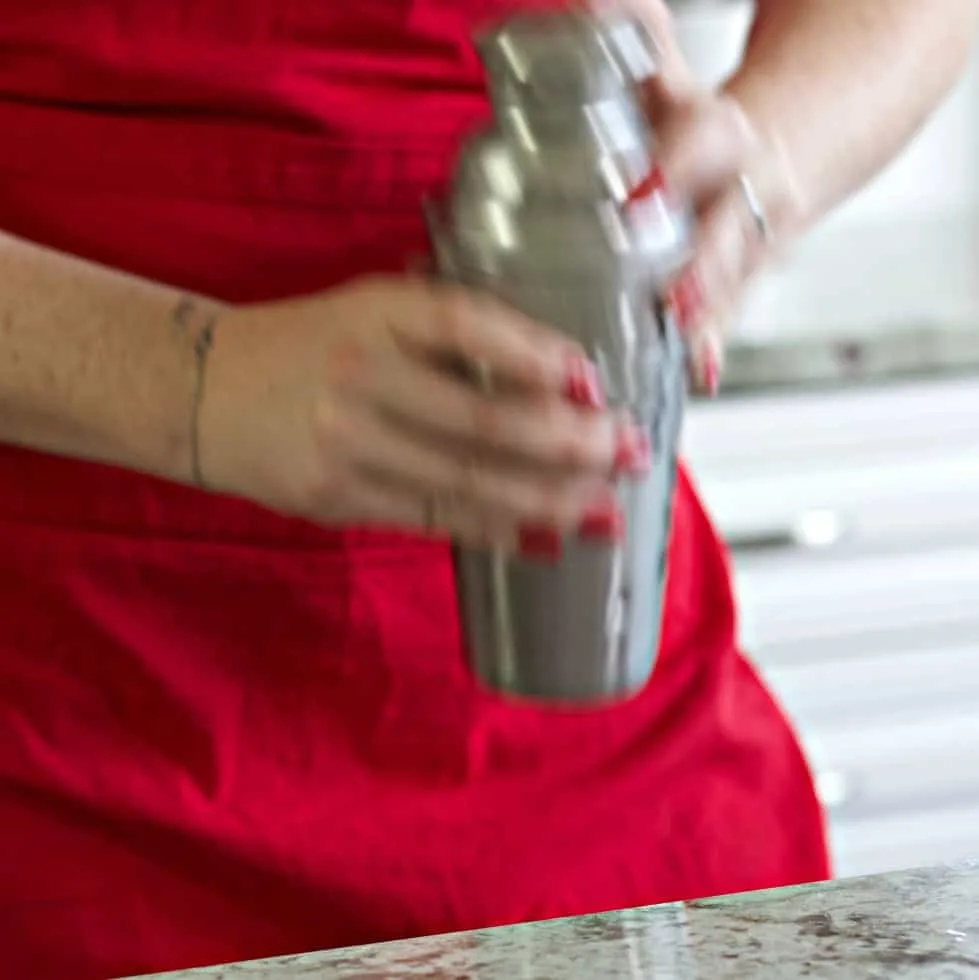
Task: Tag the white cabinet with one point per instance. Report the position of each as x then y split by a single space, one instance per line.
853 519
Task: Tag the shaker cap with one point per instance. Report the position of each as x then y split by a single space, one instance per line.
565 56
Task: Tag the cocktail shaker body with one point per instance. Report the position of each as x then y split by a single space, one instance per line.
540 215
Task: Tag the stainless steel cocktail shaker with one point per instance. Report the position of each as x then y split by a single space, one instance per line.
538 216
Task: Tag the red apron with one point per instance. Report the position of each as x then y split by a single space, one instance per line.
227 735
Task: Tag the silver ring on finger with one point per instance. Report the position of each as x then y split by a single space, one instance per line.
482 375
756 209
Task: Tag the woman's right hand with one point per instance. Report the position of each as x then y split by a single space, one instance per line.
343 408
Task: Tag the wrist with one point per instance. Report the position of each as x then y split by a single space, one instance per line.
194 321
231 361
775 178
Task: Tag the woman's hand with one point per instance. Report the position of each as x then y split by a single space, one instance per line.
710 154
354 407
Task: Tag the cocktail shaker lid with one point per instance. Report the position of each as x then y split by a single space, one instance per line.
565 56
539 194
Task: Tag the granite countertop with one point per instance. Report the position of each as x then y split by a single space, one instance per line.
921 924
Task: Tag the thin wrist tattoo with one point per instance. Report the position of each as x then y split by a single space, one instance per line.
184 316
202 349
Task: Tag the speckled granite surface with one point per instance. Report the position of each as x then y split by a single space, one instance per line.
921 924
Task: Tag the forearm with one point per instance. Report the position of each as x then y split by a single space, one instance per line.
839 88
96 364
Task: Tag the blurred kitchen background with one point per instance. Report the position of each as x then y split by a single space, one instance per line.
842 466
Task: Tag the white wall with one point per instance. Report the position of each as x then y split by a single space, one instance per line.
903 251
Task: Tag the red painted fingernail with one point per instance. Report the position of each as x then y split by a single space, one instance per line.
633 455
603 523
685 299
643 456
653 184
540 544
583 386
711 372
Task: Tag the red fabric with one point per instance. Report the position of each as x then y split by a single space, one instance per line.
227 735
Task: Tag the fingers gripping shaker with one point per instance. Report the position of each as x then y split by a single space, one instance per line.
538 216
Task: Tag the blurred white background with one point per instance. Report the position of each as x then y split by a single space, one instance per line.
905 250
843 469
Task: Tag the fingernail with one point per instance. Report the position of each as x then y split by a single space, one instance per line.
583 387
604 522
540 544
709 366
685 299
654 183
643 455
633 454
712 375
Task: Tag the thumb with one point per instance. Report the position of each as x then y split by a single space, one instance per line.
702 143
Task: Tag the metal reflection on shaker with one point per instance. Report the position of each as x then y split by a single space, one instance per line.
539 214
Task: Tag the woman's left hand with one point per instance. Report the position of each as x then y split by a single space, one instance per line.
710 154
